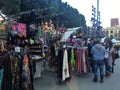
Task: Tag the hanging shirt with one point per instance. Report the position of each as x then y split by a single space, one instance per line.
65 70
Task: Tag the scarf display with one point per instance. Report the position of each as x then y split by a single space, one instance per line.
65 70
72 58
81 61
63 65
17 73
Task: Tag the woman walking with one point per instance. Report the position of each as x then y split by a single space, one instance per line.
109 60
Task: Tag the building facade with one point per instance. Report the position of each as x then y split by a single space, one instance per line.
113 32
114 22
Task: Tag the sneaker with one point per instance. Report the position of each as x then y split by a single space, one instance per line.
101 81
95 80
108 75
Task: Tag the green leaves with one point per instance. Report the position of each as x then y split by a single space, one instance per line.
10 7
70 16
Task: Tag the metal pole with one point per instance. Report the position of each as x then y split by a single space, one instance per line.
97 11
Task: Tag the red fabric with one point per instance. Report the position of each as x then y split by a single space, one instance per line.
14 27
84 69
113 55
80 62
22 29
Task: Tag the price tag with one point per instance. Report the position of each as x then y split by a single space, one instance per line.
17 49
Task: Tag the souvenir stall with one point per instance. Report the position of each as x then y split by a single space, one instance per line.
50 39
17 73
18 68
41 48
41 52
78 41
76 57
35 49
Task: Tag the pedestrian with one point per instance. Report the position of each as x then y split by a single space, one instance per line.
98 52
108 59
90 45
113 57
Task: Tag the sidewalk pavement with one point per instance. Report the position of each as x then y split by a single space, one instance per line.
48 81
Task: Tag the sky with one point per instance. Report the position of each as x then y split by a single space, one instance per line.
108 9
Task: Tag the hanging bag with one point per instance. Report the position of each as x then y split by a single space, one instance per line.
116 55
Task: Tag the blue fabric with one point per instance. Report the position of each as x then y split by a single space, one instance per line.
99 65
108 68
1 77
98 54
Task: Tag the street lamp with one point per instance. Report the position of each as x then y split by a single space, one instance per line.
98 12
93 18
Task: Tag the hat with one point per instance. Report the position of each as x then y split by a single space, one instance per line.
97 42
91 39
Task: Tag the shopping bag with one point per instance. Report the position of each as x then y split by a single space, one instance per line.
116 56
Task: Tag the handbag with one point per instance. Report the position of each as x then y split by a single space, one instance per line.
116 56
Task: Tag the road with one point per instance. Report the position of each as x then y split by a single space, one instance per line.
48 81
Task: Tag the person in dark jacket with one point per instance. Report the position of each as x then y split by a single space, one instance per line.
98 53
90 45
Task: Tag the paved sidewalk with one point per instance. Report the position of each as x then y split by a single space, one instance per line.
48 81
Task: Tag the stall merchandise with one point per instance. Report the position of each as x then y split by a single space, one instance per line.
17 73
63 65
37 53
2 55
81 60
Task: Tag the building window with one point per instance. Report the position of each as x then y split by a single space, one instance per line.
111 36
111 31
115 34
107 32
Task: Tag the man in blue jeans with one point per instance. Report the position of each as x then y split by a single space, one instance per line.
98 53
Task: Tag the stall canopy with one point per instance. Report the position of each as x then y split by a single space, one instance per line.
67 34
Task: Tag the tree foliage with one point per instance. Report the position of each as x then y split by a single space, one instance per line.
69 16
9 7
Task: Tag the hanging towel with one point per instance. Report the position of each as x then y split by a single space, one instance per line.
84 62
78 61
65 70
72 58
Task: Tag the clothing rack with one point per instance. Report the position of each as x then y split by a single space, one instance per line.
17 73
77 47
82 47
71 46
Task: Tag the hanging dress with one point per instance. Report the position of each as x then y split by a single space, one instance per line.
65 70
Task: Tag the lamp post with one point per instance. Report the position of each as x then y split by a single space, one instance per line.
93 18
98 13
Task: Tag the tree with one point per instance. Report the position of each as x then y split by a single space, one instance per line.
70 16
10 7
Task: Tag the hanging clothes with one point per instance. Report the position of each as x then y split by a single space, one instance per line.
17 73
78 61
72 59
81 61
59 62
65 70
63 65
84 67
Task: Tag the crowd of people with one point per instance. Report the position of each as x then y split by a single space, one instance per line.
102 57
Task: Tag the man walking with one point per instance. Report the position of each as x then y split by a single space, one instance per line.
98 53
